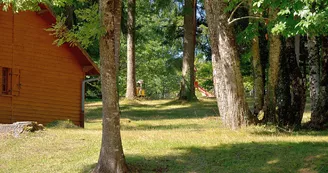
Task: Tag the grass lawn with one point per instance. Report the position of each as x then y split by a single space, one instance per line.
168 136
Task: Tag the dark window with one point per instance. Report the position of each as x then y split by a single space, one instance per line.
6 80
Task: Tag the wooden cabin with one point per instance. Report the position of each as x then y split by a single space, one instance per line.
39 81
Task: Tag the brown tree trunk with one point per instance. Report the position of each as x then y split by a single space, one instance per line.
111 157
226 67
187 90
274 55
258 77
258 89
69 13
131 67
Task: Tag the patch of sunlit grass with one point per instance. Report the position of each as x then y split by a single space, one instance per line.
168 136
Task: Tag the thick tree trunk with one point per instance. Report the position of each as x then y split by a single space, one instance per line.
297 87
319 116
283 94
131 67
226 67
117 32
274 54
291 88
111 157
314 64
187 90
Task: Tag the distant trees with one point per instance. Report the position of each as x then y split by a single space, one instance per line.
295 32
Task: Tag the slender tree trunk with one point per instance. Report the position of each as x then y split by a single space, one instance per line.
319 116
226 67
314 64
187 90
274 54
131 67
111 157
257 69
258 77
70 18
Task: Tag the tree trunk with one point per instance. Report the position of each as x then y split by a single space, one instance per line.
111 157
274 55
258 77
257 68
69 14
297 87
187 90
117 32
319 116
314 63
226 67
131 67
283 88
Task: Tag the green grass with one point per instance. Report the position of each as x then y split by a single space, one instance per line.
168 136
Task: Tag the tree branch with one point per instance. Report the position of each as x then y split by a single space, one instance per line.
230 20
245 17
234 10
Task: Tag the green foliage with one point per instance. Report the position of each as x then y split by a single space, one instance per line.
20 5
87 32
204 73
61 32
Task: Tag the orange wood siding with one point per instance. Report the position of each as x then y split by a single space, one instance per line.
5 61
50 77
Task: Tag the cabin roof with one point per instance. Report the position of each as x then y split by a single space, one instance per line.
89 67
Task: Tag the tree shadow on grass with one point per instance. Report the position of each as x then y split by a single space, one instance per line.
159 112
161 127
279 132
306 157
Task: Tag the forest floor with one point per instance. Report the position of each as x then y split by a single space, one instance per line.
168 136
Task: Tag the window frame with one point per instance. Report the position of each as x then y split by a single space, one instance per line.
6 81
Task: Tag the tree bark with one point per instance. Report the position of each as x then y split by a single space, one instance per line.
257 68
314 64
319 116
187 90
274 55
111 157
229 89
283 94
297 85
131 67
258 76
70 18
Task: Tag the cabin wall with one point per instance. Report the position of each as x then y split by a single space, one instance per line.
6 56
46 78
